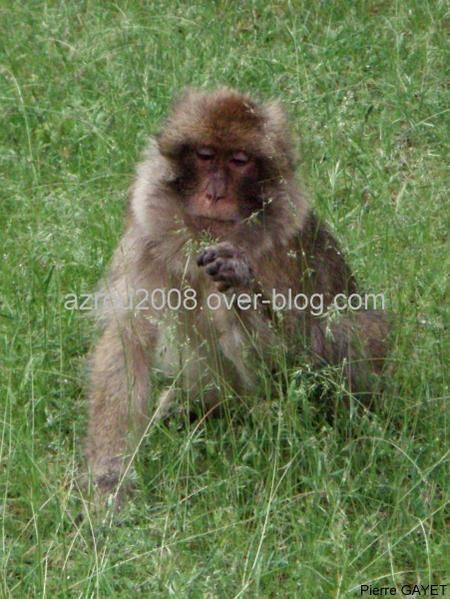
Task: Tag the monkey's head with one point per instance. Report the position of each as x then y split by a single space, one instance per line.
222 164
227 154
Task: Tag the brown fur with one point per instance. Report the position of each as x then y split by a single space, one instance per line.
283 247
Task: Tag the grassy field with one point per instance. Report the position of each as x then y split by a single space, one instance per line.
284 503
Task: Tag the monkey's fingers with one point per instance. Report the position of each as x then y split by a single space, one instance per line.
222 250
214 267
207 256
227 277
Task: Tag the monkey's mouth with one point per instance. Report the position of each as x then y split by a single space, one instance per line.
200 222
231 221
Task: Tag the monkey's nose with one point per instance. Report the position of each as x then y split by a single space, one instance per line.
215 196
216 189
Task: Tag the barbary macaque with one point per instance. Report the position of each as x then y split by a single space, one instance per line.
217 224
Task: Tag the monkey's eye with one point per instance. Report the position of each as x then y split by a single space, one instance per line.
240 158
205 153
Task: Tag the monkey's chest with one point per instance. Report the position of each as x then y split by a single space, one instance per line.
208 344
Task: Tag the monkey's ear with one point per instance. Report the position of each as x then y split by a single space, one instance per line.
276 117
278 130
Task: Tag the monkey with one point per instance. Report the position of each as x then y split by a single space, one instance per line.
216 211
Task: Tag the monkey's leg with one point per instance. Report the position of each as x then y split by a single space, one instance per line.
209 404
118 398
358 341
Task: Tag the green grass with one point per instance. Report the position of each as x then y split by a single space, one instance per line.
283 503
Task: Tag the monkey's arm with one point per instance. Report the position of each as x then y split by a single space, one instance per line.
118 397
358 341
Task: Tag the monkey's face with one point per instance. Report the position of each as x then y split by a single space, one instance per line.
227 154
225 191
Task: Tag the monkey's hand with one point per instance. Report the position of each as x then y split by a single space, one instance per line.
226 265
